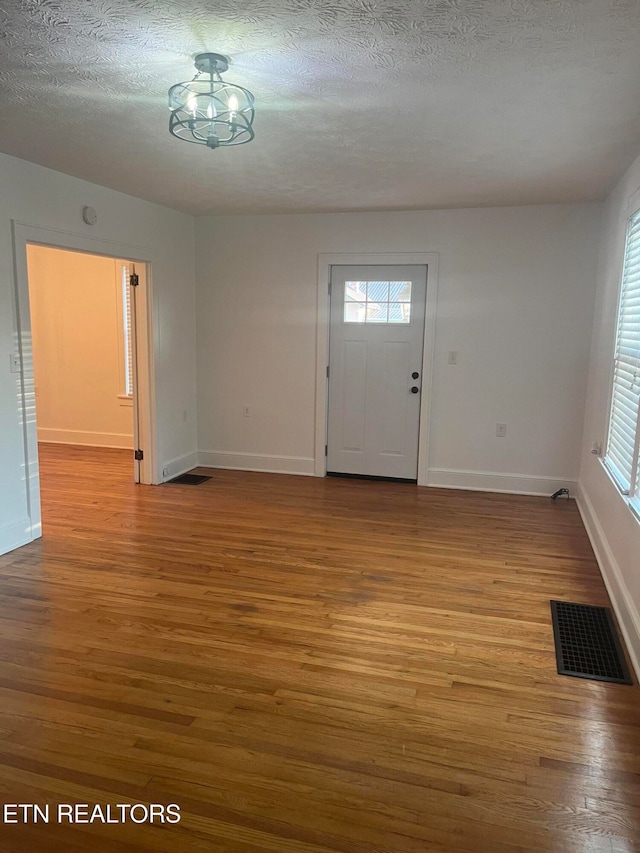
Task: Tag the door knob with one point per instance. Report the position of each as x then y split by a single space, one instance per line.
414 389
415 374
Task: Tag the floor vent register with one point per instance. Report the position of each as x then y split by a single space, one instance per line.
587 644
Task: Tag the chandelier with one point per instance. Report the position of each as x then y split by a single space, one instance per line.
208 110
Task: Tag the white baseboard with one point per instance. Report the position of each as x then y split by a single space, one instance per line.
623 604
491 481
177 466
257 462
15 534
91 439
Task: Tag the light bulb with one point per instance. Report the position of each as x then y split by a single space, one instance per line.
210 110
192 104
233 104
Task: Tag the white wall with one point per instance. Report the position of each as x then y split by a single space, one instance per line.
613 529
41 197
76 315
515 300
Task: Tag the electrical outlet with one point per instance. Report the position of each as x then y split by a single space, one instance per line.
596 448
501 430
452 357
165 472
245 411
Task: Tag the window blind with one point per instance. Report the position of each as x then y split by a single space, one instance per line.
624 430
128 342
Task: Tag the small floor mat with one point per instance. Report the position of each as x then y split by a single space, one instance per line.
587 644
189 480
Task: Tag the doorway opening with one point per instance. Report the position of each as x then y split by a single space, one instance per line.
85 346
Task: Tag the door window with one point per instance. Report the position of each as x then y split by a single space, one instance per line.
377 302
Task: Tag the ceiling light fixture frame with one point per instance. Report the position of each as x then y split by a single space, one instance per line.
208 110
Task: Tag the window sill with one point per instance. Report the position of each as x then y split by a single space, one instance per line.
125 400
633 504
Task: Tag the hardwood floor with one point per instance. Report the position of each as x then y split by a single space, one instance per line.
305 666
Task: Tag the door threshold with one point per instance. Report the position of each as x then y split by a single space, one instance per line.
410 480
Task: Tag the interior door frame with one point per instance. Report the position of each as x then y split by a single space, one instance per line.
325 263
23 235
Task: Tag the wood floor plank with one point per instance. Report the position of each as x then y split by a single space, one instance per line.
305 666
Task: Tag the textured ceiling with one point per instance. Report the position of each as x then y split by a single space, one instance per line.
360 104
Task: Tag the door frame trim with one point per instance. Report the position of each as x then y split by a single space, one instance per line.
23 235
325 262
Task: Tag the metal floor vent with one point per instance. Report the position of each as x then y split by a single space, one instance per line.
587 644
189 480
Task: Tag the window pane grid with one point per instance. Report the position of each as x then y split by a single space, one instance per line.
377 302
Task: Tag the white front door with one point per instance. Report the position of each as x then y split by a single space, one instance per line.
375 370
